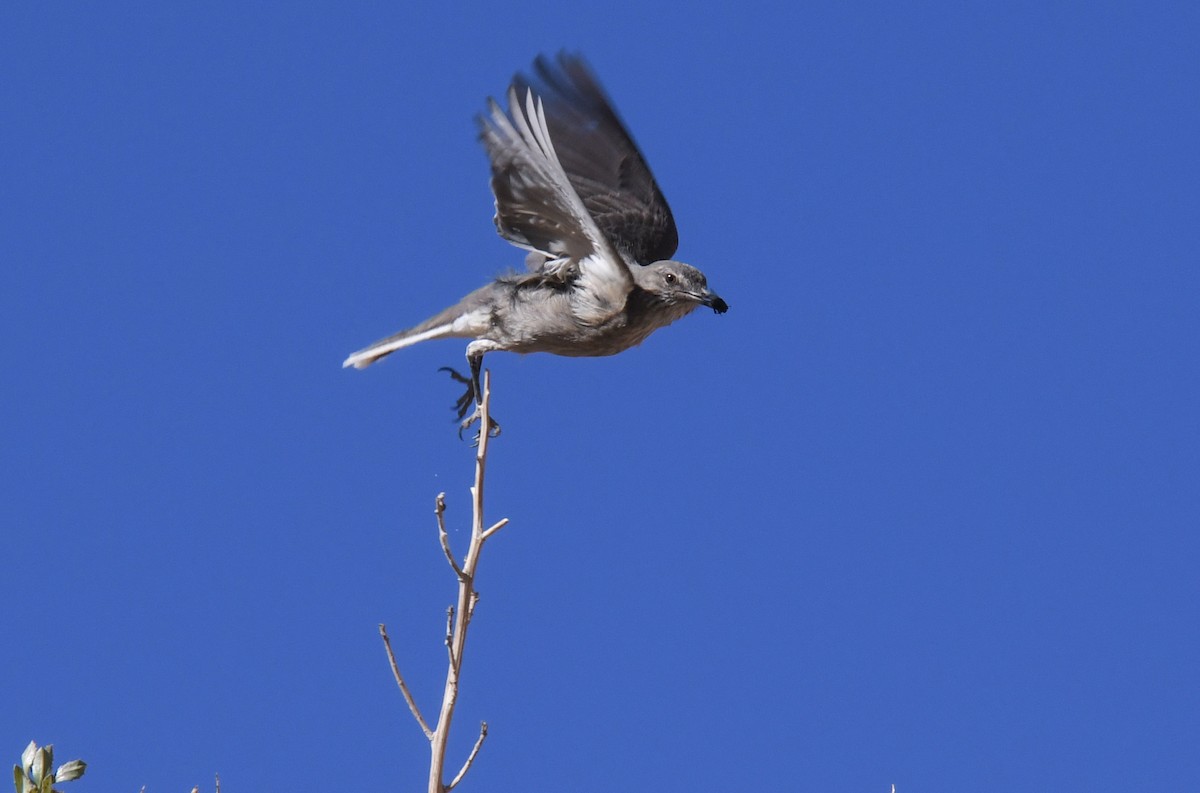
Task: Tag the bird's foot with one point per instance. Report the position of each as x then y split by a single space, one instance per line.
493 426
469 397
463 405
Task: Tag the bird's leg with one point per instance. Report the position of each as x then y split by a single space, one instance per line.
473 394
493 427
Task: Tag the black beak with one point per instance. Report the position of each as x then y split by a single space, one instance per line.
715 303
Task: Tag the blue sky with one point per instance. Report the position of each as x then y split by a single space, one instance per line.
920 509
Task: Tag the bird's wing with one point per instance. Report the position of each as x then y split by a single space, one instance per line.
538 209
601 160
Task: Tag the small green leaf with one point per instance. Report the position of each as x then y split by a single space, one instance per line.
68 771
19 778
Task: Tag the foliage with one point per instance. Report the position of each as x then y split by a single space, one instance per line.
33 774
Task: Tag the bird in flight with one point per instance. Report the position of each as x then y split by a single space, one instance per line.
574 191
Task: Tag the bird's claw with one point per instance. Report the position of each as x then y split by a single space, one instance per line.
463 405
469 397
493 426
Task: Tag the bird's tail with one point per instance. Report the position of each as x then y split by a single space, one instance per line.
464 320
405 338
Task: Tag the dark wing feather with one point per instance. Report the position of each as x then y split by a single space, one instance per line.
601 160
538 209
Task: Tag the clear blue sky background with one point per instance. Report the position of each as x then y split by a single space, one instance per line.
921 509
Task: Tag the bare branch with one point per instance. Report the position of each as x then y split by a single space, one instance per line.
458 616
408 697
439 509
471 758
497 526
450 632
481 460
468 598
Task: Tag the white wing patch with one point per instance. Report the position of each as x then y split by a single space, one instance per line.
598 299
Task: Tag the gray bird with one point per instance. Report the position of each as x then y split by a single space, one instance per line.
573 189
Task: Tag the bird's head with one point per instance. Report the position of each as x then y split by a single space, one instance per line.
678 285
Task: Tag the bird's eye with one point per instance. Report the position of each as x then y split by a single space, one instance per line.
670 278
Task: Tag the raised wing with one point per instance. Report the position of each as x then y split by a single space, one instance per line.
538 209
601 160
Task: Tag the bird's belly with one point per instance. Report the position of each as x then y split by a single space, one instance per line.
583 342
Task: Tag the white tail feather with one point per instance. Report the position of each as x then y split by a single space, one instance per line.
368 355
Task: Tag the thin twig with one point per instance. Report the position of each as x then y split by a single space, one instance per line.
471 758
408 697
450 632
439 509
480 460
497 526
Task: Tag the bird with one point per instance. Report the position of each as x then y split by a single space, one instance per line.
573 190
